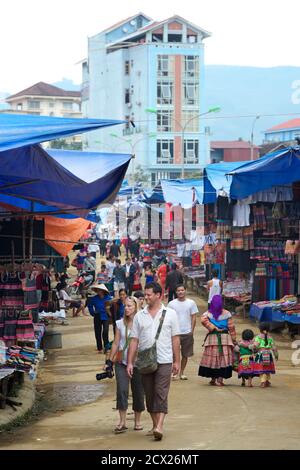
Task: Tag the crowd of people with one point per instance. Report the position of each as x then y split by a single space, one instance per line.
158 316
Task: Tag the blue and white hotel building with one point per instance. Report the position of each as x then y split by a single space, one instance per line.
153 74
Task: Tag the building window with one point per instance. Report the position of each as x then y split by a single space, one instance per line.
163 65
68 105
192 39
191 94
139 22
191 151
191 66
127 67
127 96
165 151
157 37
33 104
51 104
153 179
174 37
174 175
165 92
164 121
190 121
19 106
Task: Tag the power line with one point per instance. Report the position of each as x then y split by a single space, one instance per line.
233 116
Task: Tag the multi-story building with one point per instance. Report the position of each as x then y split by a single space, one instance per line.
47 100
285 132
151 73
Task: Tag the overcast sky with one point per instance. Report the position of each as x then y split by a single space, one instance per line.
41 40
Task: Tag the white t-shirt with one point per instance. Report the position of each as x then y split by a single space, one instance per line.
110 266
93 248
122 329
145 328
184 309
63 299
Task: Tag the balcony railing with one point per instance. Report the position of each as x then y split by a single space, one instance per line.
132 130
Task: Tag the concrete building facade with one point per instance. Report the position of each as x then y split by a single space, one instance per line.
46 100
151 73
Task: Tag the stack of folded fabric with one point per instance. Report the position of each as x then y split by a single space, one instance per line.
22 359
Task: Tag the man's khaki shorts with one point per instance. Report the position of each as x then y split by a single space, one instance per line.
187 345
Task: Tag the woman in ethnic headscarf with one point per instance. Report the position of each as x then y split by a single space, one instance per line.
217 360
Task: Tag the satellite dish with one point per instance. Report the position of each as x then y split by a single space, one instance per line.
125 30
133 22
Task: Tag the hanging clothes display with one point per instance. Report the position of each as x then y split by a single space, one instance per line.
242 238
24 327
11 293
241 214
30 292
224 209
260 222
46 287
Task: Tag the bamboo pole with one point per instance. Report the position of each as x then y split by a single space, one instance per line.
13 254
30 238
23 239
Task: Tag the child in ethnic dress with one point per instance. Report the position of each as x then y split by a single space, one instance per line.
266 351
246 364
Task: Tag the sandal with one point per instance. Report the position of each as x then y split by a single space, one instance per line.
212 382
120 429
138 428
157 435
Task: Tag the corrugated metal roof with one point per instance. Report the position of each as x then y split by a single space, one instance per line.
291 124
230 144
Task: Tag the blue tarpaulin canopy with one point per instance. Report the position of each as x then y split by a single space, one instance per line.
278 168
62 181
18 130
216 179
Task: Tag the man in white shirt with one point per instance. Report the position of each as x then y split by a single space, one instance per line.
186 310
65 301
110 266
93 248
144 329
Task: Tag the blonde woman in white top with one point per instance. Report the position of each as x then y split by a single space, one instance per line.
118 355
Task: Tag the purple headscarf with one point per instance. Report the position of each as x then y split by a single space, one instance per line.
216 306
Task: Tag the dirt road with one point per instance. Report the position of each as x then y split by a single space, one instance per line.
80 411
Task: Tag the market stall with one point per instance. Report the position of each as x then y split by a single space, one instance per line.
34 186
255 215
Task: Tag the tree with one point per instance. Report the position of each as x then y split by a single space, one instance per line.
139 176
193 175
65 144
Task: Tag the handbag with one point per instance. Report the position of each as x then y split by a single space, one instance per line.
266 357
146 361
